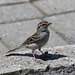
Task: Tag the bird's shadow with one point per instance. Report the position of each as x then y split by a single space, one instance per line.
46 56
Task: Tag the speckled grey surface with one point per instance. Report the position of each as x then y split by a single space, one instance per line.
69 70
56 57
18 20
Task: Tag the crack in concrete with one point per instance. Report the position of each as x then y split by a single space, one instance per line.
55 14
69 39
13 3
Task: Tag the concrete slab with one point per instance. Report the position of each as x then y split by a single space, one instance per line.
55 40
18 12
50 7
64 26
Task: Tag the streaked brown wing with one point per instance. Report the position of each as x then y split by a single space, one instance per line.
32 39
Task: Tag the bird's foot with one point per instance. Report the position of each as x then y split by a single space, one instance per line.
37 61
44 54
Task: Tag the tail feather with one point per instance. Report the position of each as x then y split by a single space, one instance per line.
14 49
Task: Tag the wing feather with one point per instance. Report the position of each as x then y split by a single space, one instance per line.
32 39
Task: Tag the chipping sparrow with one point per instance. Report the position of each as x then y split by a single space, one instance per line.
37 40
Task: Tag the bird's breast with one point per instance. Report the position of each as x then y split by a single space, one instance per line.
43 39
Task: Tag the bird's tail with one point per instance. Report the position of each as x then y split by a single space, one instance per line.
15 49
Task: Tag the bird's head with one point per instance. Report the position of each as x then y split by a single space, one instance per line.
42 26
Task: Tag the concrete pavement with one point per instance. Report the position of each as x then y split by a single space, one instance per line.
19 19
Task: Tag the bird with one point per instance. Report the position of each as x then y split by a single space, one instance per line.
38 39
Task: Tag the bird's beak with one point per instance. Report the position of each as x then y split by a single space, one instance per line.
49 24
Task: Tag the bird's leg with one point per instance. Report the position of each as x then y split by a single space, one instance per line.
34 57
43 54
40 50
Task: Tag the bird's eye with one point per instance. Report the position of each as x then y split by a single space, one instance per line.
44 24
41 25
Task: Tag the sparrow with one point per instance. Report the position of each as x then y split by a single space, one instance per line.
37 40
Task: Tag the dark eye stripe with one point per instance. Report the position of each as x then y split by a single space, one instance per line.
44 24
38 26
41 25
